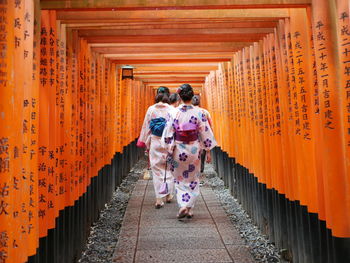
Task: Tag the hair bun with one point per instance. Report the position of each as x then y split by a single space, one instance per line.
186 92
162 89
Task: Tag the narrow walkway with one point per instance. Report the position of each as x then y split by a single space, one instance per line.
150 235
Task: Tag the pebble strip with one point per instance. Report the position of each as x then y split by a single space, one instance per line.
260 246
105 232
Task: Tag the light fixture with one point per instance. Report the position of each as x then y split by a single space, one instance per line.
127 72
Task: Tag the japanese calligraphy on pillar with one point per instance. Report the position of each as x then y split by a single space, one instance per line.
44 186
344 55
21 129
258 77
301 81
293 91
323 77
29 203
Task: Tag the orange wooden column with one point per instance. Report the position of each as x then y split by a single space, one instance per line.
30 118
43 182
317 124
343 31
334 171
69 106
20 130
300 40
284 76
257 111
268 147
33 227
51 170
236 102
60 151
6 134
246 92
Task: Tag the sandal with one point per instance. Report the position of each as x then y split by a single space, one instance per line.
189 215
182 213
158 206
168 199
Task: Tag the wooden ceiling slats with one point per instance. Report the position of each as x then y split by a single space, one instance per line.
170 42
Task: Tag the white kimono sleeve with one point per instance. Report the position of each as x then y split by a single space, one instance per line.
206 136
145 134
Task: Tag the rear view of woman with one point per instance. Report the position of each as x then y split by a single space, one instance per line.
185 136
150 137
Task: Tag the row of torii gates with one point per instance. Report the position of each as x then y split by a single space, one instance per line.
275 74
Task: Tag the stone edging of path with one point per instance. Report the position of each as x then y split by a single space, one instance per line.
128 236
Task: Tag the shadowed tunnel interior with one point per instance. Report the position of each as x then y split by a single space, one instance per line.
275 75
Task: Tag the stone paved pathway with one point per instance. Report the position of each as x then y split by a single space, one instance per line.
155 235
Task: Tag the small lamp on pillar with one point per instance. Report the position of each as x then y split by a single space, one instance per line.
127 72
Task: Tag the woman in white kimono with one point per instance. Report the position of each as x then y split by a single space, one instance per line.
186 134
150 138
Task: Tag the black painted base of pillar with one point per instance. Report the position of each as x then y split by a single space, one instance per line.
66 242
302 236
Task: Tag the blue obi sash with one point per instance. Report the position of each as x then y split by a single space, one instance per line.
157 126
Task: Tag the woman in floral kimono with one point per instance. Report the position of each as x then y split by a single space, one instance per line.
150 137
186 134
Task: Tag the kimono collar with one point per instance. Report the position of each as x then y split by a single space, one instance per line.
162 105
185 107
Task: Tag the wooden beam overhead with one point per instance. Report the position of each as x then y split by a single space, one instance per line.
169 76
163 68
168 61
240 14
172 80
178 64
179 24
177 38
192 73
158 45
175 85
150 21
181 45
167 32
172 49
189 55
169 4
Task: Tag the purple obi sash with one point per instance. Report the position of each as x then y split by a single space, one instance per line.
187 132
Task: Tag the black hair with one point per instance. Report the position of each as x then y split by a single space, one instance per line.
163 89
174 98
162 97
186 92
196 100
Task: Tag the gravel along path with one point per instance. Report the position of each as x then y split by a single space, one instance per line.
104 233
260 247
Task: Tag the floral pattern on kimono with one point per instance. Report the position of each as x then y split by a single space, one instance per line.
185 161
206 115
157 153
